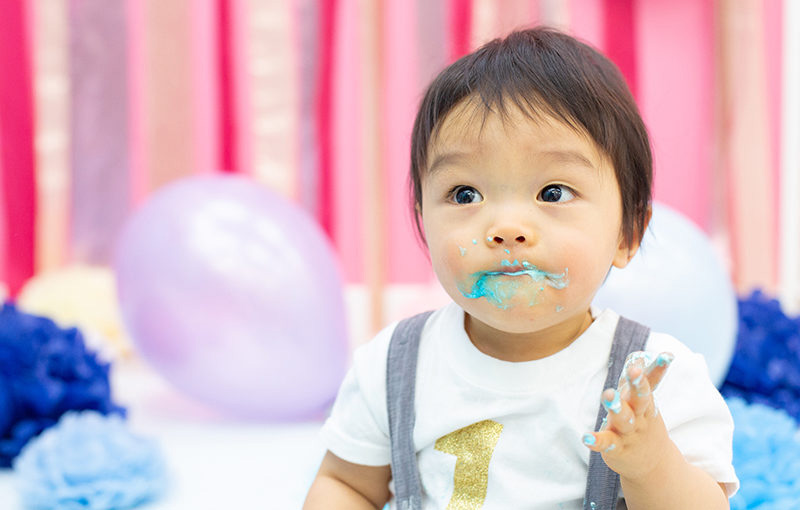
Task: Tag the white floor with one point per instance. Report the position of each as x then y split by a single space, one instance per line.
214 462
218 463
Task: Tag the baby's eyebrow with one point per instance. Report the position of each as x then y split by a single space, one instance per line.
455 157
447 158
569 156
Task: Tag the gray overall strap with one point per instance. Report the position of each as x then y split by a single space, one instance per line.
602 486
401 376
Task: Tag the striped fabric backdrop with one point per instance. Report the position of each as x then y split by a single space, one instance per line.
102 103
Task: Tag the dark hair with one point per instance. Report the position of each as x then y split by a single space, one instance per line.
545 72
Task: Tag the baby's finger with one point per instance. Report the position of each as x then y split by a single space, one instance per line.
634 359
602 442
655 371
620 417
640 398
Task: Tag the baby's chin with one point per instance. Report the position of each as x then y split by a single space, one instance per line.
514 318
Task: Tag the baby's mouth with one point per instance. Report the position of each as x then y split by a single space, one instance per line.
525 268
498 290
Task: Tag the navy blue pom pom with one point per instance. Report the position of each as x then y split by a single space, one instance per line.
766 365
45 371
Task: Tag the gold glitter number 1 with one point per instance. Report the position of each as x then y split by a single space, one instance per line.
473 447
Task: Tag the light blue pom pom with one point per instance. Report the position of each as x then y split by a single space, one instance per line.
89 462
766 455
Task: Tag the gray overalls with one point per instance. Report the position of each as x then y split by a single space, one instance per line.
602 486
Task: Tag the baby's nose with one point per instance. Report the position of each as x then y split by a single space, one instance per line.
501 240
509 236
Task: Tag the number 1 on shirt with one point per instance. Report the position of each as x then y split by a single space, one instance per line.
473 447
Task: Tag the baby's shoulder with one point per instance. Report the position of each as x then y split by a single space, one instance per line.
378 347
688 376
659 342
375 350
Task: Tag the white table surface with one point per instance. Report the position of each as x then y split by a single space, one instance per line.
214 461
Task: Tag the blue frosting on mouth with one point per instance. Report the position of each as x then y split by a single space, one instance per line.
499 290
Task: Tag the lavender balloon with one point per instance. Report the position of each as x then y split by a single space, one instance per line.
233 294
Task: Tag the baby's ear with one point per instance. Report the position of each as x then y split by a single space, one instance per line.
625 251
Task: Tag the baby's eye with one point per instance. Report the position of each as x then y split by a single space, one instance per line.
465 195
556 193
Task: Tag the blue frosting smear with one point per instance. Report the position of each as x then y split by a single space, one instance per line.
499 290
614 405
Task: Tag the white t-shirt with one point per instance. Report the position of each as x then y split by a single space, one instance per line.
516 428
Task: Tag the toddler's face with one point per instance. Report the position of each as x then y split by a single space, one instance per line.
522 218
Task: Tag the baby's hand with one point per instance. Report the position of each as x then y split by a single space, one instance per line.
633 436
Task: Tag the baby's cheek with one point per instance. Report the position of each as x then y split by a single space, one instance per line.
586 275
452 259
450 262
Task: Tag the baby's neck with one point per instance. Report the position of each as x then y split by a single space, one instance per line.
530 346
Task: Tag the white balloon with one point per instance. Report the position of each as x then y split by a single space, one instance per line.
677 284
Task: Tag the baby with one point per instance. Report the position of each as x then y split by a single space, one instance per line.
531 176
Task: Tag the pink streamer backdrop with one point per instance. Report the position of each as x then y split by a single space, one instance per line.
206 37
171 95
347 136
773 31
100 192
587 21
3 227
52 119
138 178
16 151
400 95
306 16
676 98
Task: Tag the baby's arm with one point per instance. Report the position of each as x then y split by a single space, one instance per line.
343 485
635 443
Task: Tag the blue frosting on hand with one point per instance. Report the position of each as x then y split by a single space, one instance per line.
615 404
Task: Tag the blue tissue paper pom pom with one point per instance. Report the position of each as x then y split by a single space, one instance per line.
45 371
89 462
766 364
766 456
